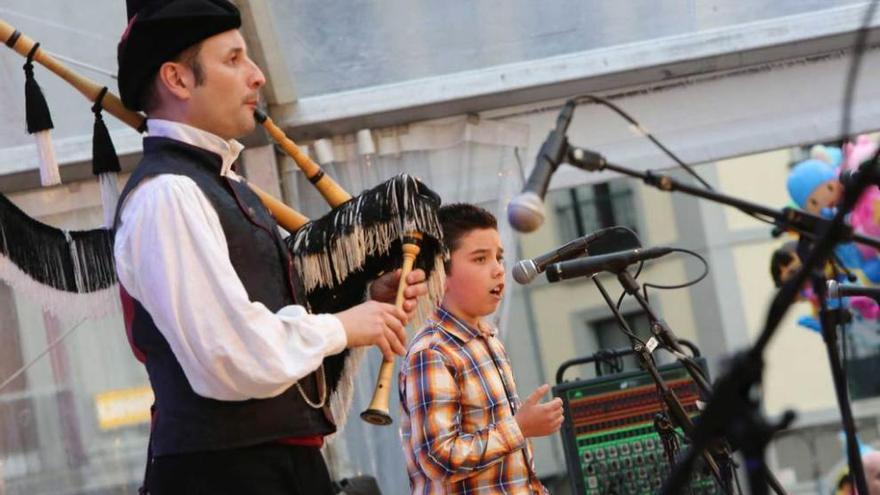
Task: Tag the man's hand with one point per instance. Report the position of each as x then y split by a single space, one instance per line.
375 323
384 289
539 420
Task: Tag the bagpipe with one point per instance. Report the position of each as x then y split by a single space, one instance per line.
391 225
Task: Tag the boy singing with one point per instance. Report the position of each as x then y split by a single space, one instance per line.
463 427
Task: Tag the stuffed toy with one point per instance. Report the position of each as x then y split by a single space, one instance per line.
814 187
785 262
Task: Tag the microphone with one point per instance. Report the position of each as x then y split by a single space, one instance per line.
526 270
613 262
837 290
525 212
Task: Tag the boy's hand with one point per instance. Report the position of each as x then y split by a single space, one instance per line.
375 323
384 289
539 420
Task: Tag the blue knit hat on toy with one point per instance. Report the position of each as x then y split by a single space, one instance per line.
806 176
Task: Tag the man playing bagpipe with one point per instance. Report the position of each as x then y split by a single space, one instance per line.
211 297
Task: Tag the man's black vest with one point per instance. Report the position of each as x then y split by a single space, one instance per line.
183 420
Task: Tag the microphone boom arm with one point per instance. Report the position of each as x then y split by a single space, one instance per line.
802 222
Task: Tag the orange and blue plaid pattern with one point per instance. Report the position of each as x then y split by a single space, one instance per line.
458 402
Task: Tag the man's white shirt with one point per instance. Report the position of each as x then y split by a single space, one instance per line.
171 256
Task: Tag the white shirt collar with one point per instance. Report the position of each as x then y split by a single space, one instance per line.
227 150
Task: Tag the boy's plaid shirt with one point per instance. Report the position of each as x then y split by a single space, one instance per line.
457 423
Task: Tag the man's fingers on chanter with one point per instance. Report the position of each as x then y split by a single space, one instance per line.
386 350
416 291
409 306
416 276
401 333
394 337
400 314
393 322
397 345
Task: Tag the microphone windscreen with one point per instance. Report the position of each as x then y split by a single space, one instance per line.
525 212
524 272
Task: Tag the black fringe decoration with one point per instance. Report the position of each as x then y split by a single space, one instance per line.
338 254
37 110
104 158
73 261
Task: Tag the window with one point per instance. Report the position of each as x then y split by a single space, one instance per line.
585 209
861 358
605 334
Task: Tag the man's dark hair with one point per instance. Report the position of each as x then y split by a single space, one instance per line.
189 58
459 219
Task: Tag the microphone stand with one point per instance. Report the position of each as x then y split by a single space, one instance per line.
661 330
733 410
677 413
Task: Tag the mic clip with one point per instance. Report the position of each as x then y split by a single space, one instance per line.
585 159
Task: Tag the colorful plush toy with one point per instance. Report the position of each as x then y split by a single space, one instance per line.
785 262
814 186
865 217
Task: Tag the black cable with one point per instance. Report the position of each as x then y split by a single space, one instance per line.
854 67
634 122
633 336
690 170
636 276
683 285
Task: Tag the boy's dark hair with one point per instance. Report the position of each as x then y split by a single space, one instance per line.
458 219
780 258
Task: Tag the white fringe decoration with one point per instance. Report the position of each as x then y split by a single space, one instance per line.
345 248
67 306
49 174
109 196
340 400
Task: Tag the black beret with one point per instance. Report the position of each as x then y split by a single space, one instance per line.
158 30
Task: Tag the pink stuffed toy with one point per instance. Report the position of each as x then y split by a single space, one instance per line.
865 217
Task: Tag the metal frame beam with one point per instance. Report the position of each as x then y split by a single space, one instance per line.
642 63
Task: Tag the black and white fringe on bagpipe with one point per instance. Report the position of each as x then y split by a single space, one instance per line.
339 254
55 268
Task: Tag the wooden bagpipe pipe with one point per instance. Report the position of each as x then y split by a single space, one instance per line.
338 255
